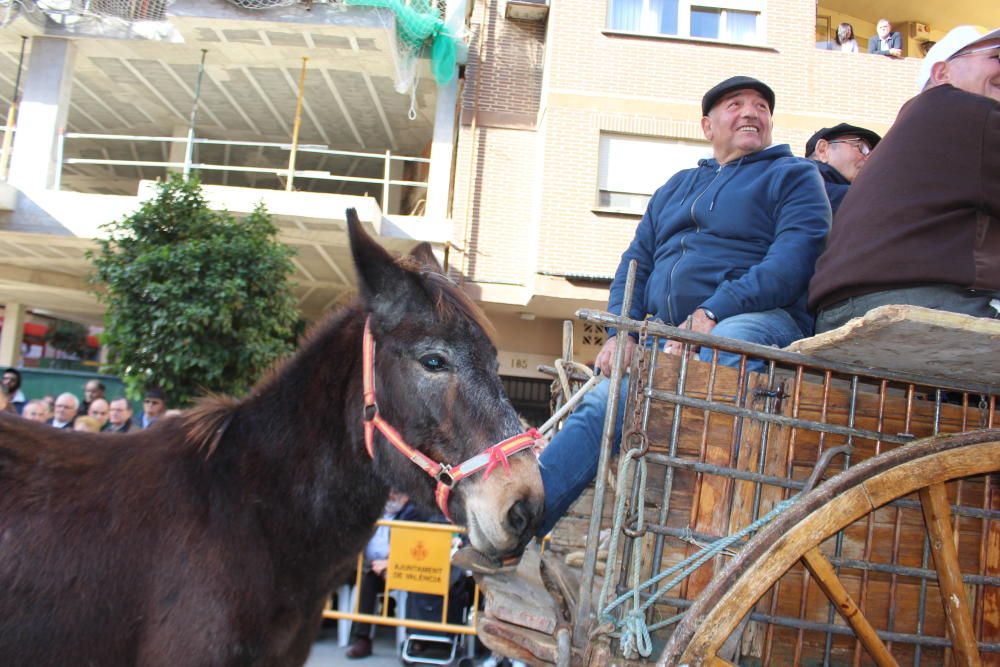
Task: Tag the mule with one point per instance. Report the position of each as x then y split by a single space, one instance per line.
214 537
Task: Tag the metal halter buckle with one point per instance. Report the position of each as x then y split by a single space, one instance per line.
445 474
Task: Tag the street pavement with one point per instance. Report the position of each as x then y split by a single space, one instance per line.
326 653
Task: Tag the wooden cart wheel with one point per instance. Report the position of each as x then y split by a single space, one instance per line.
922 466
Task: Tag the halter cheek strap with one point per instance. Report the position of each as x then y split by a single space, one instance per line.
447 476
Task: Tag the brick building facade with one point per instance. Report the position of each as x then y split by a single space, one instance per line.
540 100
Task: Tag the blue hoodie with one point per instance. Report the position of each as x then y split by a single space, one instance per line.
737 238
835 183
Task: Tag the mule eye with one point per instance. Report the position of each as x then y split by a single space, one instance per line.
433 362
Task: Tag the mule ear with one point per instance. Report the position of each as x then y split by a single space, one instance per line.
386 288
423 254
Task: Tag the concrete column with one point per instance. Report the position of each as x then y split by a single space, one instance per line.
178 149
43 111
12 334
443 142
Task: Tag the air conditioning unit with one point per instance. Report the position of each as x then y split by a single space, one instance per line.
527 10
915 30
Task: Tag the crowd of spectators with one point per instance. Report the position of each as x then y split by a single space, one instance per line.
886 41
95 413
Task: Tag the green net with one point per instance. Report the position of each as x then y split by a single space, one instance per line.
417 23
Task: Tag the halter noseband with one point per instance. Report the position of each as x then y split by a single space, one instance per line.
447 476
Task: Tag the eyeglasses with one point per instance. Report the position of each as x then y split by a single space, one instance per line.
980 50
862 147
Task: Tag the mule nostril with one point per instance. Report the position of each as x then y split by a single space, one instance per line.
518 517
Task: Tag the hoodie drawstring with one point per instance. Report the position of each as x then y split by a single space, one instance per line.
711 206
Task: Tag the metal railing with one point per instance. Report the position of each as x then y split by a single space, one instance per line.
383 618
386 181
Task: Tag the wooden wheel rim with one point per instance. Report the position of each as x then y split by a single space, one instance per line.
811 520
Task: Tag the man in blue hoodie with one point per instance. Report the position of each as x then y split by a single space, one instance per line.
726 248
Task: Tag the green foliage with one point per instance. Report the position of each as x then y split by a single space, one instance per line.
70 337
196 300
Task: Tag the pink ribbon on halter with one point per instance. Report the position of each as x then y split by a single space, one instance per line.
497 457
447 476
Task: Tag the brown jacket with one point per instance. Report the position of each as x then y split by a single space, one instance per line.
926 207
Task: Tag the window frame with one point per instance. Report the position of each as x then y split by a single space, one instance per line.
692 148
684 8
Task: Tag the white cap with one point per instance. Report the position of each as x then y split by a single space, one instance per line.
957 39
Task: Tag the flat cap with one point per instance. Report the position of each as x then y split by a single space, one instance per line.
155 392
841 130
736 83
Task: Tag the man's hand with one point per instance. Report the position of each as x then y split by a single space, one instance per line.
697 321
606 357
379 566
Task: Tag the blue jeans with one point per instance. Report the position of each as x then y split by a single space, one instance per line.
569 462
951 298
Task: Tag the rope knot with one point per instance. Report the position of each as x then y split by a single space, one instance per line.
635 635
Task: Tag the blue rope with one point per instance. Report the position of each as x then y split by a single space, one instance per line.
635 633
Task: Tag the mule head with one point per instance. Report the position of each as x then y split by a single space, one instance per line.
436 383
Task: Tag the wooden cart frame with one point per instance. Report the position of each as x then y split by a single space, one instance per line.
883 536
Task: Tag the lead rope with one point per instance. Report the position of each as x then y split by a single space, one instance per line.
635 624
635 635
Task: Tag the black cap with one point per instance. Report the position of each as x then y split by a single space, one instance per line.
156 392
736 83
839 131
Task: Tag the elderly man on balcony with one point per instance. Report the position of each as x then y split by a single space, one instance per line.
887 42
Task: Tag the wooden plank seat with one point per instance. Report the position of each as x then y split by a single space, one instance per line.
914 339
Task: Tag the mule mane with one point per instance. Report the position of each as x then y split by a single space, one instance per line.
207 421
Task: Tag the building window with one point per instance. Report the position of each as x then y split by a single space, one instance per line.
739 21
632 168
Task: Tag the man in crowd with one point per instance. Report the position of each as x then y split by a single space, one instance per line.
36 411
921 224
399 508
154 404
726 248
12 387
99 410
840 152
65 411
886 42
119 416
92 390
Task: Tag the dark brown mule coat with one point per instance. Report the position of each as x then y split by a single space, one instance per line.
213 538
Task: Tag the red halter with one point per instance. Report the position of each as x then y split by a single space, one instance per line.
446 475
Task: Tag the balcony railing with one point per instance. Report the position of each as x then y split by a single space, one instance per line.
385 181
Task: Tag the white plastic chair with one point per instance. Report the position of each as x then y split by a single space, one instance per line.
345 601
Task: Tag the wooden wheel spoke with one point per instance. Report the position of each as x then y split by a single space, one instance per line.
828 581
923 466
937 517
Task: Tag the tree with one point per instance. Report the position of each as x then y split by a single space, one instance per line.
70 337
196 300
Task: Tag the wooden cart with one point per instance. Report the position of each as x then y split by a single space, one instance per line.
839 508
